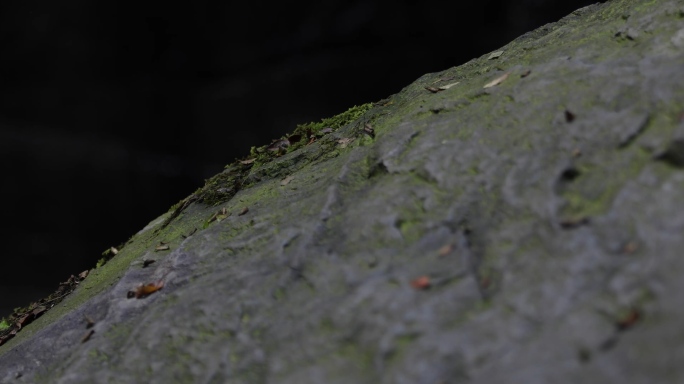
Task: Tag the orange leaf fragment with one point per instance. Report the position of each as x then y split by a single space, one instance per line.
145 290
445 250
422 282
627 321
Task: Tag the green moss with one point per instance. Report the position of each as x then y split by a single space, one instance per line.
304 132
4 324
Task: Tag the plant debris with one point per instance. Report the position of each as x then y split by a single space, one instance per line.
628 320
144 290
21 317
495 55
445 87
569 116
87 336
89 321
343 142
161 247
497 81
433 89
286 180
244 210
421 283
445 250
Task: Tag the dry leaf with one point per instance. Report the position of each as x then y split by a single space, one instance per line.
344 142
23 320
278 145
244 210
421 283
38 311
145 290
248 161
569 116
445 87
630 247
627 321
89 321
286 180
221 215
83 274
87 336
574 222
497 81
114 251
162 248
445 250
368 129
495 55
433 89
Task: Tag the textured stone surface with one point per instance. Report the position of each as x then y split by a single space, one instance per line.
546 213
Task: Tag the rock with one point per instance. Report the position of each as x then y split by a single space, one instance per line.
528 232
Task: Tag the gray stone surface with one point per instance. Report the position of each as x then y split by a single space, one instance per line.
546 212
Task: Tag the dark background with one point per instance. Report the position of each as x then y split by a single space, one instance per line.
110 112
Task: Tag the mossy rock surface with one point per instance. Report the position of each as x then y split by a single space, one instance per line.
530 231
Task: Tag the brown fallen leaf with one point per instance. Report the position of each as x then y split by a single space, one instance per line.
278 145
445 250
630 247
569 116
83 274
38 311
495 55
244 210
87 336
161 248
344 142
89 321
572 223
433 89
497 81
421 283
145 290
286 180
628 320
23 320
